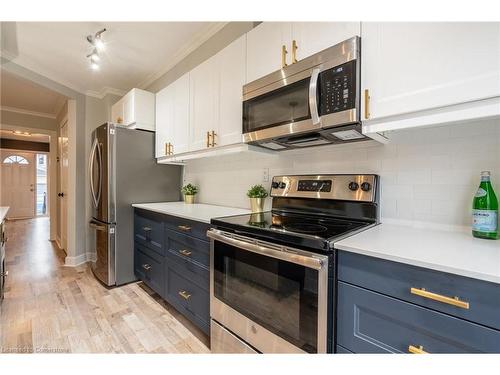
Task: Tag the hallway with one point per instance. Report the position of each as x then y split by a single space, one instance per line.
52 308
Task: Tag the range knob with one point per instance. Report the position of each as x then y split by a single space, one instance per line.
275 185
353 186
365 186
282 185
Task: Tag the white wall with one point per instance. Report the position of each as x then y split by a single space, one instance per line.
427 175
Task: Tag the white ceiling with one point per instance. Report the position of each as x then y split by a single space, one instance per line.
136 52
34 137
23 95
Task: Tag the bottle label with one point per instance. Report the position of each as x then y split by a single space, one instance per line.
484 220
480 193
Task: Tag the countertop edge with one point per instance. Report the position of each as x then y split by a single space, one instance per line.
421 264
163 212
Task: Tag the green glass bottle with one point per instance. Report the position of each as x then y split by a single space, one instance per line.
485 210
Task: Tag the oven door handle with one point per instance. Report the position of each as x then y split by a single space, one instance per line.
284 253
313 97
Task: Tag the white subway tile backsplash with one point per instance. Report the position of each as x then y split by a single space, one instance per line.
427 175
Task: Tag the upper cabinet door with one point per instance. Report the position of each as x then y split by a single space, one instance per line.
414 66
180 138
264 48
164 120
313 37
232 65
204 113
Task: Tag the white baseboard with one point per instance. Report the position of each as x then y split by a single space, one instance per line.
79 260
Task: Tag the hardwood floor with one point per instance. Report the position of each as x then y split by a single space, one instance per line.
52 308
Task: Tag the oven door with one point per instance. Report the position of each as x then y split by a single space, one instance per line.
272 297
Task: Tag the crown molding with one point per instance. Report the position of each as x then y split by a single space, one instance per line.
105 91
27 112
195 42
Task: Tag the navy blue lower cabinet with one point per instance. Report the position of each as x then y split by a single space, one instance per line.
370 322
149 269
172 258
342 350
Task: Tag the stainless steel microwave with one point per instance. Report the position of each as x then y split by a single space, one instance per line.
313 102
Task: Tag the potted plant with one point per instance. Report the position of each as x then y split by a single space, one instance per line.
257 195
189 192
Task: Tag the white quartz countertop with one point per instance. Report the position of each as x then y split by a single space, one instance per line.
455 252
197 211
3 212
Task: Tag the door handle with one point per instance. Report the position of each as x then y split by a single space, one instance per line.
367 104
91 172
146 266
294 51
213 138
98 198
185 252
416 349
184 294
184 228
454 301
313 101
283 56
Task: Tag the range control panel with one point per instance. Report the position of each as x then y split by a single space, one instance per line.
335 186
337 89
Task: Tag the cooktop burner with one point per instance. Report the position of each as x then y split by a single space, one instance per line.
306 228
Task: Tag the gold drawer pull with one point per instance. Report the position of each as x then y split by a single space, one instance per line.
184 294
416 349
184 227
185 252
214 143
146 229
208 139
146 266
455 301
294 51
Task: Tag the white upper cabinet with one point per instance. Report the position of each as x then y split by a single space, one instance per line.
204 103
264 48
313 37
266 42
231 64
136 110
412 67
172 118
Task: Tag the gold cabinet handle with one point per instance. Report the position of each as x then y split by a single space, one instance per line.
214 134
167 148
171 148
184 294
208 139
185 228
283 56
146 229
294 51
416 349
367 104
185 252
146 266
454 301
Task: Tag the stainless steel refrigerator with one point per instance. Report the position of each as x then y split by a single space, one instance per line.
122 171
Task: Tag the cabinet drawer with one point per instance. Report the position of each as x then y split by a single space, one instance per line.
398 279
190 269
370 322
188 247
149 230
189 298
149 269
188 227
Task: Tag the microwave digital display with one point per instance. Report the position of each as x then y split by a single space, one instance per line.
315 185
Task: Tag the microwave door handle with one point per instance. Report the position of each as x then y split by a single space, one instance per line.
91 172
313 98
289 255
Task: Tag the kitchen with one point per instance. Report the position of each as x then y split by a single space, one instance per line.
308 187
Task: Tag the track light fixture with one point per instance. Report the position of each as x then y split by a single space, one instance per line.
98 44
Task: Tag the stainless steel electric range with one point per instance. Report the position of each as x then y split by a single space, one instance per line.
272 274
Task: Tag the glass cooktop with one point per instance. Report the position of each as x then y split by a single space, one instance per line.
300 230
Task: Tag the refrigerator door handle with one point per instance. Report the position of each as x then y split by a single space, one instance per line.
99 155
91 171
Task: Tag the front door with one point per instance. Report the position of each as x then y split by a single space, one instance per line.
18 183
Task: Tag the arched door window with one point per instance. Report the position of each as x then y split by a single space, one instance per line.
15 159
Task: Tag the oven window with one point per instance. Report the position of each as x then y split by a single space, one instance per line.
280 296
281 106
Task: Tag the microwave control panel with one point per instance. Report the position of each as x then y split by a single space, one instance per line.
337 88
